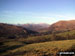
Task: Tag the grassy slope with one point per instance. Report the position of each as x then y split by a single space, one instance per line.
19 47
43 49
50 37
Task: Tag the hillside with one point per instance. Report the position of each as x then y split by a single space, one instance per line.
39 45
51 37
7 30
41 49
62 26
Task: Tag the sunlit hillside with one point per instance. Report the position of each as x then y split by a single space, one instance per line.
39 49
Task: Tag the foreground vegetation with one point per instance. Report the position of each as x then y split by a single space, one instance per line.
41 49
44 45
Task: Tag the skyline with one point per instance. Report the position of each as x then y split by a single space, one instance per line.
36 11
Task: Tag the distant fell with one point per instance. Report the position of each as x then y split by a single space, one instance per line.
62 26
7 30
36 27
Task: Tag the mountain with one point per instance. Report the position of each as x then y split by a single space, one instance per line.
8 30
62 26
24 30
36 27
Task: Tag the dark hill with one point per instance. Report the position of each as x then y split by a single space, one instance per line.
7 30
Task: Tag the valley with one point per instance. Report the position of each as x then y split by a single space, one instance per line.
20 41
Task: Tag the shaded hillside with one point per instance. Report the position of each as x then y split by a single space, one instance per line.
36 27
7 30
62 26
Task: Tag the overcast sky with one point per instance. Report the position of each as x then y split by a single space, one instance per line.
36 11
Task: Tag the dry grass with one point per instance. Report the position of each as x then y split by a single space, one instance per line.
44 49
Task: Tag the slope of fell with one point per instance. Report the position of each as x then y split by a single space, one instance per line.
62 26
12 31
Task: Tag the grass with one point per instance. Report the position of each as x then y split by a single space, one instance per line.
43 49
51 37
9 45
45 45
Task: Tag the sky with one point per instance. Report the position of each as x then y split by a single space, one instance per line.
36 11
